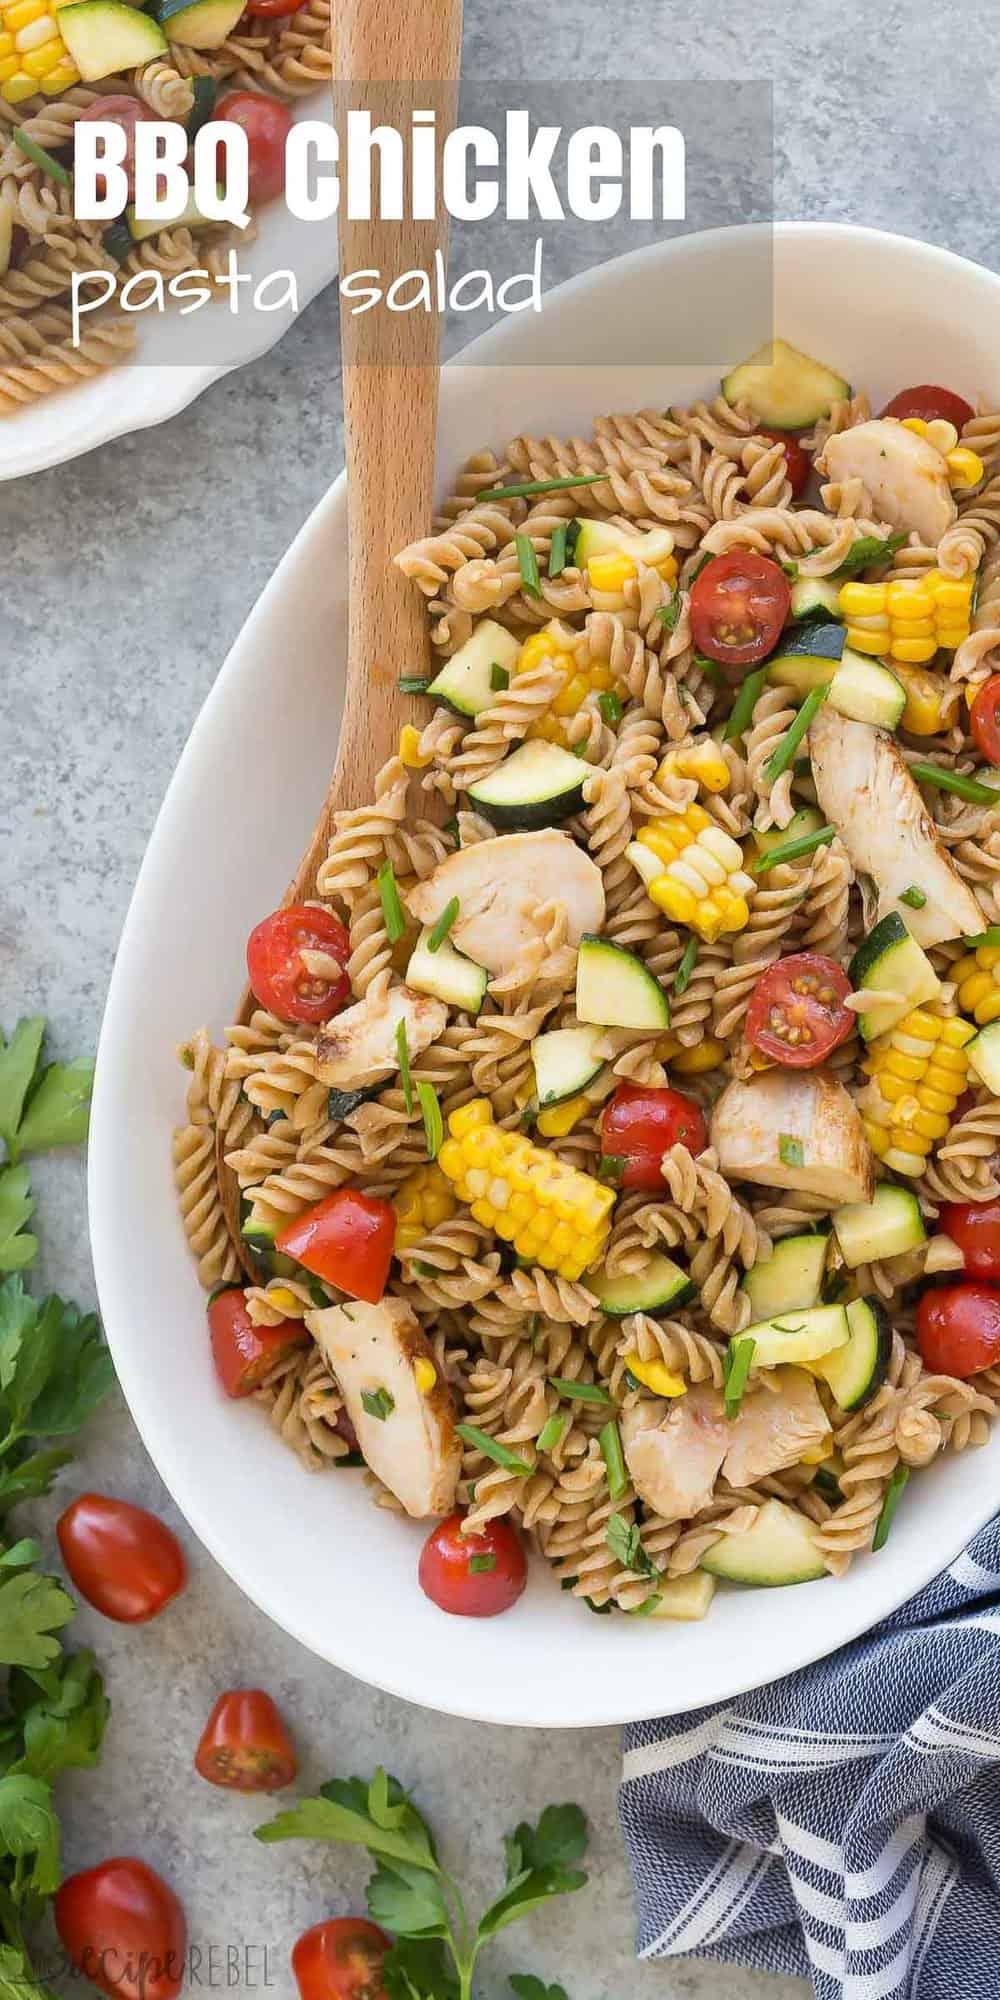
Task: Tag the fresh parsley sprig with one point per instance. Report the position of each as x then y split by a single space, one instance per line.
41 1105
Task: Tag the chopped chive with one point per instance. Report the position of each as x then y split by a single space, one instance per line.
527 563
54 168
378 1403
991 935
482 1565
392 908
492 1448
710 668
914 898
580 1392
739 1361
668 614
702 563
403 1059
952 781
499 678
614 1459
744 705
893 1496
423 1269
784 755
557 549
610 708
530 486
433 1121
682 977
793 850
443 925
790 1150
579 749
611 1166
551 1434
412 684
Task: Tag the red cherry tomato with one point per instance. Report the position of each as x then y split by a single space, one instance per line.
267 125
274 964
341 1960
472 1576
739 604
245 1746
984 720
975 1227
639 1126
347 1239
958 1329
122 1560
272 10
796 1013
243 1353
929 401
122 1927
797 460
126 112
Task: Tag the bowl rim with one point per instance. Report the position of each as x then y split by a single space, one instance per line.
190 1500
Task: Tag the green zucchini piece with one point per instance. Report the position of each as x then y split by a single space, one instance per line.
856 1371
467 682
106 36
660 1283
780 1548
867 692
537 785
890 959
785 389
446 974
603 538
795 1337
565 1062
806 820
807 656
788 1281
984 1056
615 990
814 597
886 1226
199 24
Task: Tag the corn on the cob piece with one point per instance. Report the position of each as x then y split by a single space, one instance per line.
693 872
33 55
421 1201
918 1072
580 682
965 467
552 1214
909 619
930 699
977 977
704 762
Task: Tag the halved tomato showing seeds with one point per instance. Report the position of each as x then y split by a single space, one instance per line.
797 1013
739 604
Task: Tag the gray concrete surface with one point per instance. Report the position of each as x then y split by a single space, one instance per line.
106 651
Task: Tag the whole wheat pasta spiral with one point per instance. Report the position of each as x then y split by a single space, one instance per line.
164 89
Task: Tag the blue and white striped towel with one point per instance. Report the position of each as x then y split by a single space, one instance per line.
843 1824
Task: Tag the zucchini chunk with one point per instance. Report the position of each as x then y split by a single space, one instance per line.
105 36
259 1234
467 681
661 1283
867 692
806 820
814 597
886 1226
780 1548
857 1369
190 217
807 656
565 1062
788 1281
446 974
615 990
686 1597
786 389
537 785
795 1337
984 1056
890 960
199 24
603 538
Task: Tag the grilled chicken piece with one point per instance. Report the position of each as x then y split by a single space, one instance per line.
414 1448
905 475
752 1118
674 1451
501 884
866 792
360 1047
773 1431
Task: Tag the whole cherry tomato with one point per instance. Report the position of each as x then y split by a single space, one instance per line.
958 1329
796 1013
272 10
739 604
127 113
975 1227
639 1126
280 979
984 720
267 125
797 460
122 1927
122 1559
242 1352
341 1960
244 1745
472 1576
928 401
347 1240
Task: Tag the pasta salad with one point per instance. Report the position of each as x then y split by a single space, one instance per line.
610 1162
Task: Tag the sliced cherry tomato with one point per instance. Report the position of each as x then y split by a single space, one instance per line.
796 1013
267 125
122 1927
739 604
639 1126
341 1960
929 401
797 460
984 721
272 10
473 1576
245 1746
122 1559
347 1239
277 974
126 112
958 1329
975 1227
243 1353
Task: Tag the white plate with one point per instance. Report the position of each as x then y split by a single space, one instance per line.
159 382
311 1551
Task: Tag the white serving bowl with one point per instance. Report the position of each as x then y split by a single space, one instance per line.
313 1552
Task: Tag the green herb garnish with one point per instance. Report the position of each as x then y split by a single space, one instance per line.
403 1059
528 487
433 1121
552 1433
610 1442
738 1363
557 549
611 708
913 898
492 1448
780 758
744 705
991 935
952 781
482 1565
893 1496
527 562
668 614
443 925
499 678
791 570
378 1403
682 977
54 168
869 552
412 684
793 850
580 1392
392 908
611 1166
790 1150
710 668
625 1542
702 563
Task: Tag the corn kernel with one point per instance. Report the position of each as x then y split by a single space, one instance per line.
558 1119
965 468
706 1055
655 1375
424 1374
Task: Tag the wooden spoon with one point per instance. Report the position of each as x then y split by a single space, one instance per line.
392 57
